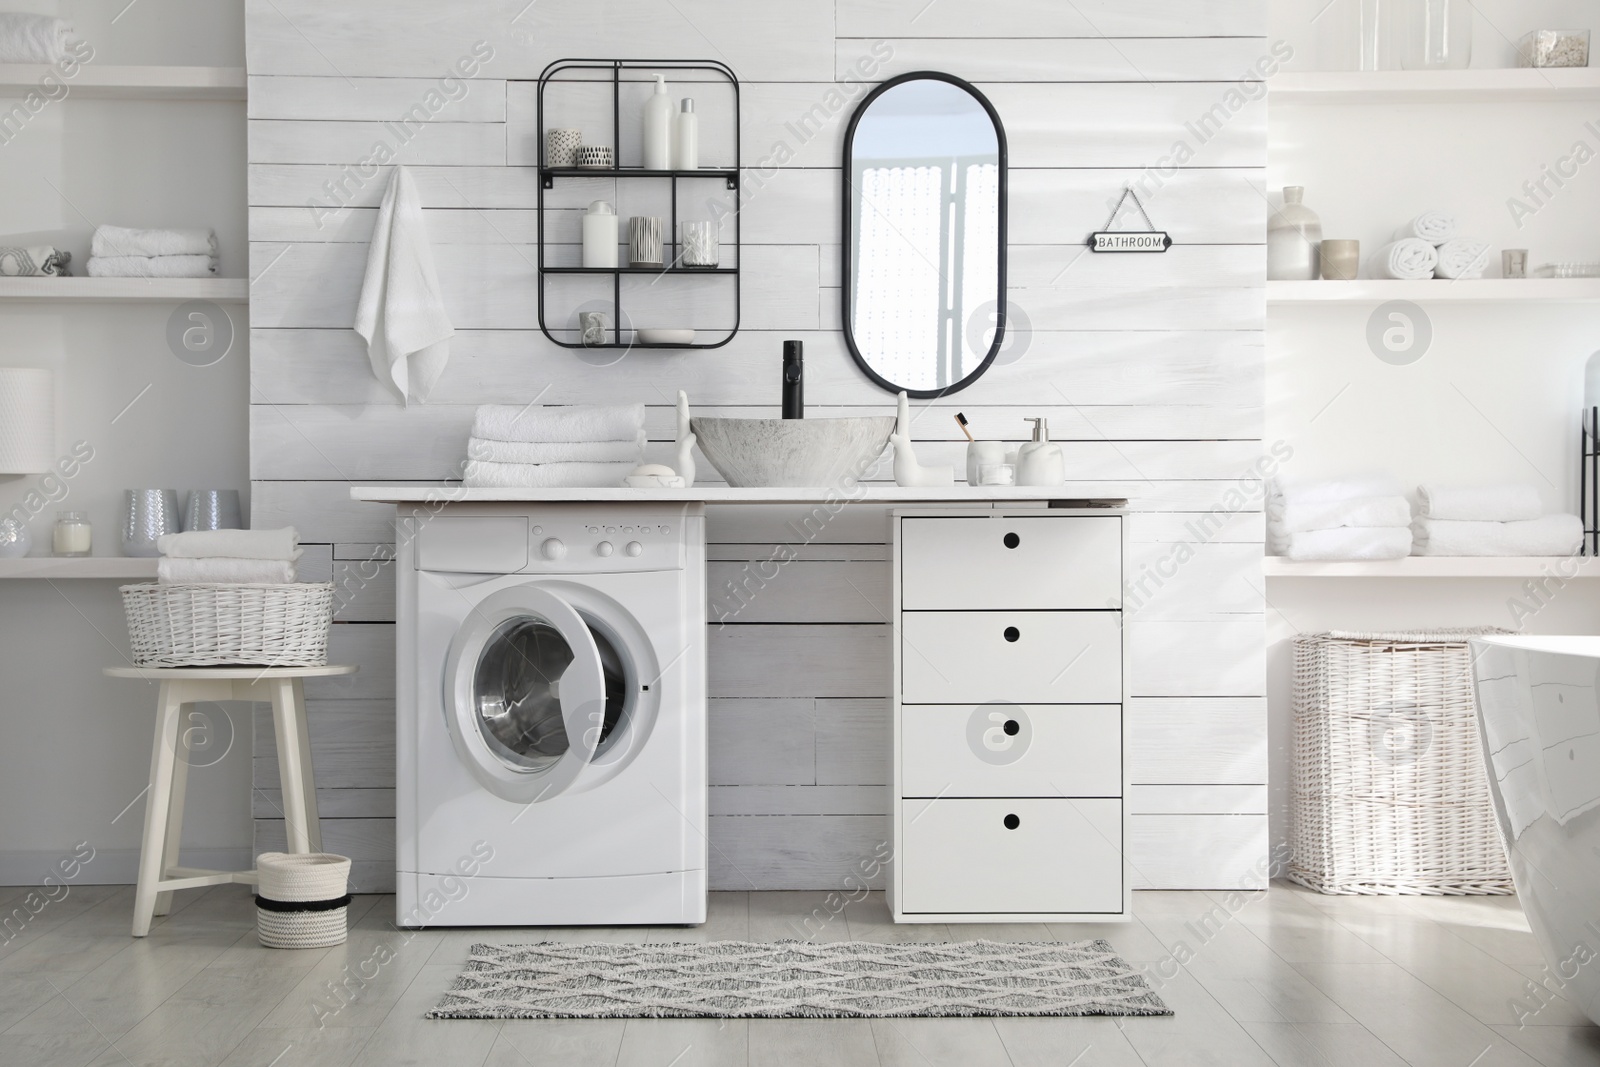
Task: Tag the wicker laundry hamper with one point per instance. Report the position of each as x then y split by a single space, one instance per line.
302 899
229 625
1389 792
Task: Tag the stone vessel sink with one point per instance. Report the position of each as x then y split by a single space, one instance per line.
751 453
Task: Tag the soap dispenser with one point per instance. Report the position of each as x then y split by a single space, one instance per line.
1040 462
658 128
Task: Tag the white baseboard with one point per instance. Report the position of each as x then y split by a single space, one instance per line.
109 866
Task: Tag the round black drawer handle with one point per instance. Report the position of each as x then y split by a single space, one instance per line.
1012 822
1011 727
1012 540
1012 633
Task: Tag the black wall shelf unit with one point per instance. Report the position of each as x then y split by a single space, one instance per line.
548 176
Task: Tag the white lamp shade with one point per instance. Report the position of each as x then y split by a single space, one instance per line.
27 420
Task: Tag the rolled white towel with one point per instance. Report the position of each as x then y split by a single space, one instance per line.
224 570
112 241
1434 227
1479 503
1462 258
33 38
556 451
1284 492
1333 514
1551 535
558 425
1350 543
486 475
1409 260
282 544
152 267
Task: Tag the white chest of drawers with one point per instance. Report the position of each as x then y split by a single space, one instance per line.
1010 672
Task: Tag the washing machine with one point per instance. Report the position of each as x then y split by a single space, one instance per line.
551 751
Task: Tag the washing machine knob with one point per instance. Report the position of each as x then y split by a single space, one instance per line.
604 548
635 548
553 548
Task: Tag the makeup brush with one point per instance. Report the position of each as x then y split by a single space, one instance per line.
961 421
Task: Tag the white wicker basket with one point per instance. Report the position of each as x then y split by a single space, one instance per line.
229 625
302 899
1389 791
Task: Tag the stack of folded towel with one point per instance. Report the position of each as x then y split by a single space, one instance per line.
122 253
1431 246
1344 520
556 447
1491 520
28 38
231 557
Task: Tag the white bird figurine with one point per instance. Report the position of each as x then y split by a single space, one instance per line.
907 471
685 462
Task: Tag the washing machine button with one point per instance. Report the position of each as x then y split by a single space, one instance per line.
604 548
538 529
553 548
635 548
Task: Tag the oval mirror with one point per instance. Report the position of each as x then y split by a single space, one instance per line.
924 279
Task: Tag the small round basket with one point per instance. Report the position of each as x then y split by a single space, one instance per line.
229 625
302 899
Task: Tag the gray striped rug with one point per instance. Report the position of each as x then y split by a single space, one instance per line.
795 979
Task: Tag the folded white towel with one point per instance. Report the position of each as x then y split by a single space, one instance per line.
484 474
1462 258
152 267
1349 543
401 312
121 241
1552 535
283 544
222 569
1479 503
1284 492
1434 227
1409 260
556 451
1332 514
33 38
558 425
39 259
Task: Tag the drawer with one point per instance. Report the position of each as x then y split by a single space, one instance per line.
1011 750
957 564
1026 657
1022 856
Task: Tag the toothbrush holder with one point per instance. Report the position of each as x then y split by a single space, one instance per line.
981 454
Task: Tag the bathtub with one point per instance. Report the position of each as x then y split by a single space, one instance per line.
1539 712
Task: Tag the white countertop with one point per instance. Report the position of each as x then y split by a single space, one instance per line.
721 494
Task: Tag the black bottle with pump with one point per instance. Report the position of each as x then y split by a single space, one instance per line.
794 386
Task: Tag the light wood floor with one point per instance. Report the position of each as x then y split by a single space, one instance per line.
1285 977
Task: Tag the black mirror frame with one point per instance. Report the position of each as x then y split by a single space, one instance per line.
847 169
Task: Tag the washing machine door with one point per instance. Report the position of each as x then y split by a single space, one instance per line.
526 694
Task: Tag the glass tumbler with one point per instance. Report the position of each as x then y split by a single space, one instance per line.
1438 34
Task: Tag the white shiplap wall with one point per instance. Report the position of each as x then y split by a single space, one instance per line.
1150 369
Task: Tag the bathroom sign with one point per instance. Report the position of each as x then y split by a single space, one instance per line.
1150 240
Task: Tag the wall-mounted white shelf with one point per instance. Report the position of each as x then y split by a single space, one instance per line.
126 290
1437 290
79 567
1435 567
1435 86
130 83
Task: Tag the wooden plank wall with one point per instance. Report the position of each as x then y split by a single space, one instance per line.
1150 368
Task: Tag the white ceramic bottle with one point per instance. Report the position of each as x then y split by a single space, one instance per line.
1294 239
687 153
600 235
658 128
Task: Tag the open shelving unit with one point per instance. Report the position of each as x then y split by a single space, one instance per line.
669 239
125 290
1520 84
132 83
1436 567
129 567
1436 290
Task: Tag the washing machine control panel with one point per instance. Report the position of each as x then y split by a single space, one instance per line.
575 547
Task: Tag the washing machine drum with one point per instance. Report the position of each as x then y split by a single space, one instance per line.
537 695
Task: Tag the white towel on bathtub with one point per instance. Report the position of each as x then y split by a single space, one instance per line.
1409 260
1462 258
1434 227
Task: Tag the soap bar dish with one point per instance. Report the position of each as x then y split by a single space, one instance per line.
654 476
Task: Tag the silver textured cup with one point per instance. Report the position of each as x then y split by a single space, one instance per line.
147 516
213 509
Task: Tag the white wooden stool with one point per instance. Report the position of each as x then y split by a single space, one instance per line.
283 688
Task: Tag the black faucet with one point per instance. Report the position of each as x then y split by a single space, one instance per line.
794 386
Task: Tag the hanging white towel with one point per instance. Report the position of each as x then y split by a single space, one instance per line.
1462 258
1434 227
401 313
1409 260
